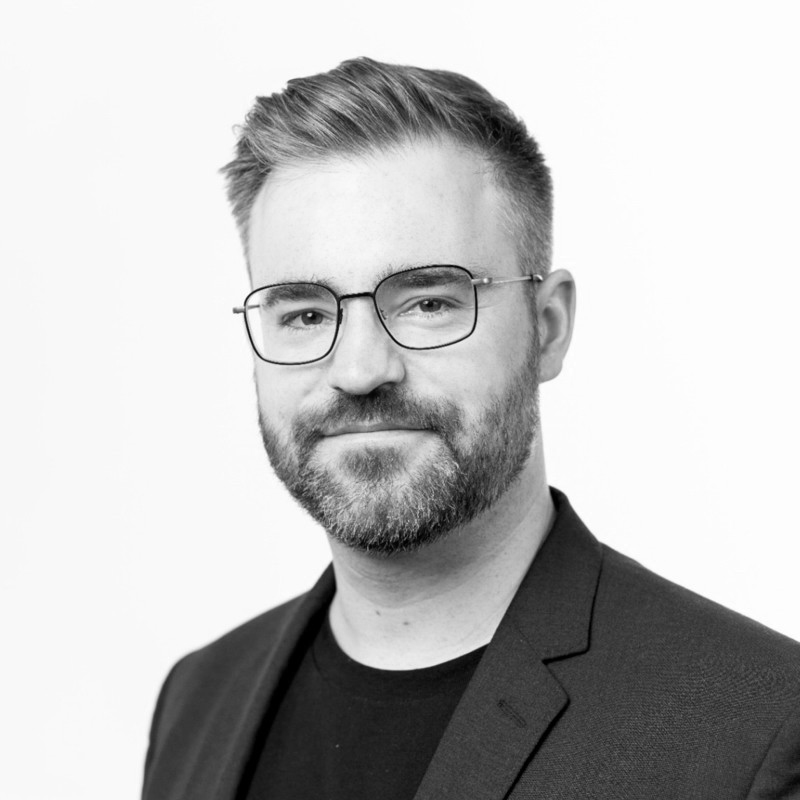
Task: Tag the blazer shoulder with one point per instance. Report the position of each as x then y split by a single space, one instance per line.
207 669
209 689
661 612
250 644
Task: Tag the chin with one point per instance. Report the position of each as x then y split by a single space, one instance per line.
382 501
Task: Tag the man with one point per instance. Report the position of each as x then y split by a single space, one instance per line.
472 639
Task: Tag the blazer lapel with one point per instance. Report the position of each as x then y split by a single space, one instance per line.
514 700
227 766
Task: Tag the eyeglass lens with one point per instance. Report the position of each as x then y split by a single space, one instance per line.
294 323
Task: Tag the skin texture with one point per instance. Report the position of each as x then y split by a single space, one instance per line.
347 223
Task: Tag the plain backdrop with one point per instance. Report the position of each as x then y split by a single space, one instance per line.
140 519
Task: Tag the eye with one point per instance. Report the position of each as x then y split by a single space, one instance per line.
308 318
426 308
432 304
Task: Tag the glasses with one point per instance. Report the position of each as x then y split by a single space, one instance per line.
421 309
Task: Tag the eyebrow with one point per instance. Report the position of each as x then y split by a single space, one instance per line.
476 271
433 277
391 269
293 291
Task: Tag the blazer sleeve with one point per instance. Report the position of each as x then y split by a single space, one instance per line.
155 727
778 777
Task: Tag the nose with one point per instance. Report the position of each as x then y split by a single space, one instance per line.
364 357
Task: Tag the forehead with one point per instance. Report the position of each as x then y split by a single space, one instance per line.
349 221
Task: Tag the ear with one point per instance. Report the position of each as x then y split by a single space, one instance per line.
555 305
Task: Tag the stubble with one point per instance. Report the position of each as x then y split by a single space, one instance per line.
380 500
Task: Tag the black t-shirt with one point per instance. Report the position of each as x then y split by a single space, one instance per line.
345 731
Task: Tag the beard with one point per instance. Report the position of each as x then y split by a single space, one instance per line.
373 499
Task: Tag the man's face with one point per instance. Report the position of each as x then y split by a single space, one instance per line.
389 448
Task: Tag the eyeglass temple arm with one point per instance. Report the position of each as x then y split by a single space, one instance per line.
496 281
242 309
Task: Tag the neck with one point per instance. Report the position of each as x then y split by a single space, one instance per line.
417 609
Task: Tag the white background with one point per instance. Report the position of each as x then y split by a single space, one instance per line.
139 516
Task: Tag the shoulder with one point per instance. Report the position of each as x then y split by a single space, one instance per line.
640 616
676 688
208 671
242 652
210 692
641 597
658 622
666 693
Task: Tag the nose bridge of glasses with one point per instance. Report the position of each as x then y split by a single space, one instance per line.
355 296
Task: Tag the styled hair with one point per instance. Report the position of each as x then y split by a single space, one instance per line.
363 106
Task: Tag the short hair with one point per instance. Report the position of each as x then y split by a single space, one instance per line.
363 106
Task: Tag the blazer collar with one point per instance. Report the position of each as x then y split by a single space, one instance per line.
553 607
513 699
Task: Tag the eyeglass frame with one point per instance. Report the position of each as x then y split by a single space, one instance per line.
476 282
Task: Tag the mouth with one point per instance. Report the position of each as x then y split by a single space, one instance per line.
373 427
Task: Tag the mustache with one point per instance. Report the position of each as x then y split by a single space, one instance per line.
391 405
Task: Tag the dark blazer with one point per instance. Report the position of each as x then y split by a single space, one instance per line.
602 681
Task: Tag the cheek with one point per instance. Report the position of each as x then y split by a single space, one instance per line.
279 393
508 336
476 372
468 376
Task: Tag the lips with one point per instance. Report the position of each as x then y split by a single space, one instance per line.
369 427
